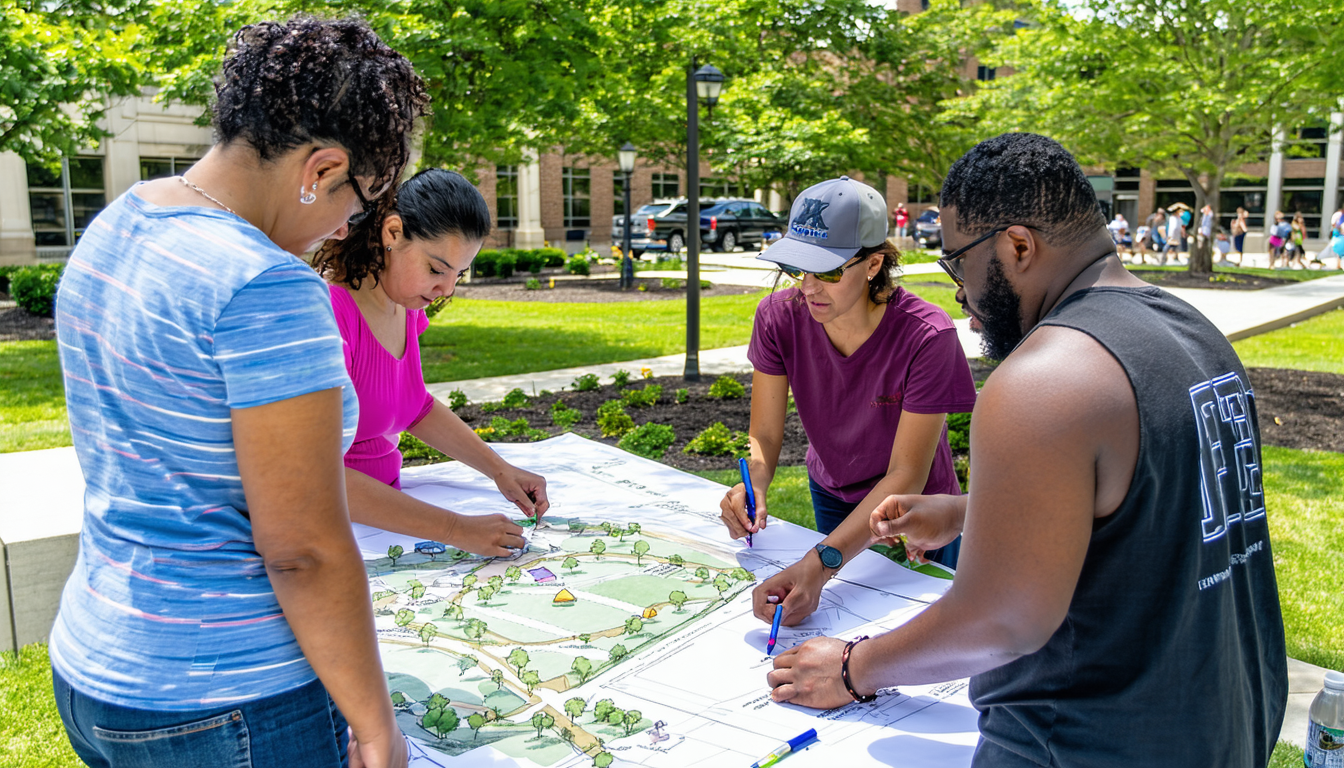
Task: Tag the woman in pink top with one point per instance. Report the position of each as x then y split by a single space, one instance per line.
406 255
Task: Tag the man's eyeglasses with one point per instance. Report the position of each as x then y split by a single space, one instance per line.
368 205
952 262
831 276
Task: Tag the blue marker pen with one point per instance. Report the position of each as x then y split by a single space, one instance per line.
792 745
751 496
774 629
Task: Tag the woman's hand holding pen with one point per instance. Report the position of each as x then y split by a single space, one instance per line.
523 488
797 587
733 510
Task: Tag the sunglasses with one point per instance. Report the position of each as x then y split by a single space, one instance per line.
952 262
831 276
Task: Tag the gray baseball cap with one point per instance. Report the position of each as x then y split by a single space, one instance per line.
828 224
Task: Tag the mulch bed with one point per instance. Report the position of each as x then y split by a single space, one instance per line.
1225 281
17 324
588 291
1300 409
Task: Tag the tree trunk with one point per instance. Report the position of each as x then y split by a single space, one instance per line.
1201 247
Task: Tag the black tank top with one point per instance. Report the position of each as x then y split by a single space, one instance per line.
1172 653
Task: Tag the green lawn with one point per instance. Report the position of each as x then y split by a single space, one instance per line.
1291 275
1316 344
32 400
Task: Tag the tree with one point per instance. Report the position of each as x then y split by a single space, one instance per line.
417 590
741 574
618 652
574 707
393 552
599 546
428 632
469 580
541 721
497 677
496 583
584 638
1193 88
633 528
571 563
531 679
677 598
603 760
440 721
404 616
513 573
677 560
567 735
702 573
453 611
399 700
634 625
583 668
484 594
721 583
577 526
519 658
476 629
465 663
475 721
640 549
631 719
602 709
616 716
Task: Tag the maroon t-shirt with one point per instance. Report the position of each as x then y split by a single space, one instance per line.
850 406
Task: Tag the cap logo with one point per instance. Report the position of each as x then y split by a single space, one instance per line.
809 222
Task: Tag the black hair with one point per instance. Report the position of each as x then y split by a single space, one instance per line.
285 84
1023 178
432 203
883 284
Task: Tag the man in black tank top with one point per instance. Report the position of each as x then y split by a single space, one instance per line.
1115 601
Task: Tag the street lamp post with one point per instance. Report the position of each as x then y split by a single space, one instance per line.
703 83
627 160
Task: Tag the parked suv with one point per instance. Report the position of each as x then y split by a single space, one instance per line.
929 229
724 225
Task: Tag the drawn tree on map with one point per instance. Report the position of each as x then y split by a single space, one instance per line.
599 546
616 716
603 760
633 528
641 548
702 573
428 632
677 560
469 580
584 638
571 563
567 735
577 526
583 668
742 574
440 721
484 594
519 659
531 679
393 552
497 677
453 611
465 663
722 584
608 528
476 629
541 721
618 652
496 583
602 709
417 590
437 701
475 722
677 598
513 573
431 548
634 625
399 700
404 616
574 707
631 719
458 556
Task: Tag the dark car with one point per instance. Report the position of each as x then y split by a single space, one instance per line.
724 225
929 229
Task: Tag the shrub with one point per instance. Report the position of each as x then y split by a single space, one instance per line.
578 266
588 382
726 388
705 285
671 283
502 427
486 263
6 273
717 440
621 379
563 416
533 284
551 257
643 398
516 398
958 432
505 263
613 420
34 287
457 399
530 261
413 448
683 395
648 440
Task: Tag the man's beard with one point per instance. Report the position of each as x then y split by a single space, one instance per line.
1000 314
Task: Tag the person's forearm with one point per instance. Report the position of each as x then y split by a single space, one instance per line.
380 505
764 459
854 534
445 431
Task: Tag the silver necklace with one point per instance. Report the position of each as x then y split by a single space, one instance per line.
206 195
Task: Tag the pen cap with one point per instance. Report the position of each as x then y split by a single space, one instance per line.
802 739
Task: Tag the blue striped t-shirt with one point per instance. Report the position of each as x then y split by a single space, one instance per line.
167 318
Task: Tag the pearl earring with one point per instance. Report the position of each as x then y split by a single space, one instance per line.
308 198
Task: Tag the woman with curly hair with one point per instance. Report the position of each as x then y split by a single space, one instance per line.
218 613
393 265
873 369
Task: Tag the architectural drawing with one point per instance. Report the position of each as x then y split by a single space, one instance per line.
622 633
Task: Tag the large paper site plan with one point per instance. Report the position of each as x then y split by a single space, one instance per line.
623 635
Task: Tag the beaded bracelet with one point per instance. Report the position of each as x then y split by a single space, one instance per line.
844 671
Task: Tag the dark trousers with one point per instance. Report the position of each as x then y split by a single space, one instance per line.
830 511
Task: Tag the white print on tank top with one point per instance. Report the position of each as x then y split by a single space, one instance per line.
1229 463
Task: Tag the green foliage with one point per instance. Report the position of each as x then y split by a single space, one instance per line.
531 679
612 419
671 283
598 547
395 551
513 573
404 616
717 440
648 440
415 589
575 706
578 265
465 663
440 721
516 398
618 652
457 399
958 432
643 398
727 388
413 448
34 287
519 658
683 395
583 668
602 709
603 760
677 560
532 284
501 427
476 721
634 625
621 378
552 257
428 632
571 563
588 382
677 598
702 573
563 416
485 263
528 261
6 272
631 719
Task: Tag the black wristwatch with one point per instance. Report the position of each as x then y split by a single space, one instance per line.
830 556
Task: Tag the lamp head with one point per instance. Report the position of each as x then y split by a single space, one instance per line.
708 84
627 157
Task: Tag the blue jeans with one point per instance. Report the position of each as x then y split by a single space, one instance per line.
830 511
297 729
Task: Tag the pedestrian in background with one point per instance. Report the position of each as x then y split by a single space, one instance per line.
1297 235
902 219
1239 234
1278 240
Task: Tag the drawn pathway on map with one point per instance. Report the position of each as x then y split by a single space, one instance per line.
623 633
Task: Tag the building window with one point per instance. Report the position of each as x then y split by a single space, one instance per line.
163 167
506 196
666 185
1242 192
984 74
617 193
578 202
1310 140
713 187
1127 179
1304 196
922 193
64 202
